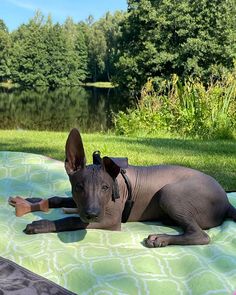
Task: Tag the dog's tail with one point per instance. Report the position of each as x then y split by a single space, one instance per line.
231 213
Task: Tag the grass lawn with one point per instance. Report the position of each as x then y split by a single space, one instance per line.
217 158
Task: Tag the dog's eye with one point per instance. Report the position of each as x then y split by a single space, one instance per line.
79 187
105 187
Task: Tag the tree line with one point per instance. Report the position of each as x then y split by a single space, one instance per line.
152 39
41 53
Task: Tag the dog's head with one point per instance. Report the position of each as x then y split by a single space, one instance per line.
92 185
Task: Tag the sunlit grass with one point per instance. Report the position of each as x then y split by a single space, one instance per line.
8 85
99 84
217 158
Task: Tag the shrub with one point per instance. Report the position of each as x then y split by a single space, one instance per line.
188 108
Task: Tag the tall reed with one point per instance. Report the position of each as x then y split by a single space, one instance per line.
188 108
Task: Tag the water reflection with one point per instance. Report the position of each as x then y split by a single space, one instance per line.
90 109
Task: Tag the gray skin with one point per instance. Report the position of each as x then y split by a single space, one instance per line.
174 195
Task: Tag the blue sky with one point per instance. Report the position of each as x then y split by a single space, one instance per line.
16 12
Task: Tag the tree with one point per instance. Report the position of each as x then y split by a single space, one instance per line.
96 44
76 51
5 45
101 39
50 55
111 26
29 64
186 37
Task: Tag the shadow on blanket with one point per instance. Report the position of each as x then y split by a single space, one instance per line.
65 237
74 237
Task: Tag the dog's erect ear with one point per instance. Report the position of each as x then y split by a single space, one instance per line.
75 156
113 165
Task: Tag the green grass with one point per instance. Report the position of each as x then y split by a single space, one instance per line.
99 84
217 158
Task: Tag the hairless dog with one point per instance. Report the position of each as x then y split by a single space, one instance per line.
110 192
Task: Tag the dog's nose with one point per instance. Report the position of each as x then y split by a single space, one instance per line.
91 214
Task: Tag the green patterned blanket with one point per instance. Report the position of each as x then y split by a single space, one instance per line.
104 262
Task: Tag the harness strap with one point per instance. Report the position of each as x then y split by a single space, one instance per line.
129 202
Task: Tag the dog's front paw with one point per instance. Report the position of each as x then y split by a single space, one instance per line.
40 226
154 241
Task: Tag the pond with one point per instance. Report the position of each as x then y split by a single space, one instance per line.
87 108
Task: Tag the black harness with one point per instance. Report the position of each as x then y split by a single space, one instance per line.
129 202
115 190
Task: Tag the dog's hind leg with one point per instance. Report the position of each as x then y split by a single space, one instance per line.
182 212
193 235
